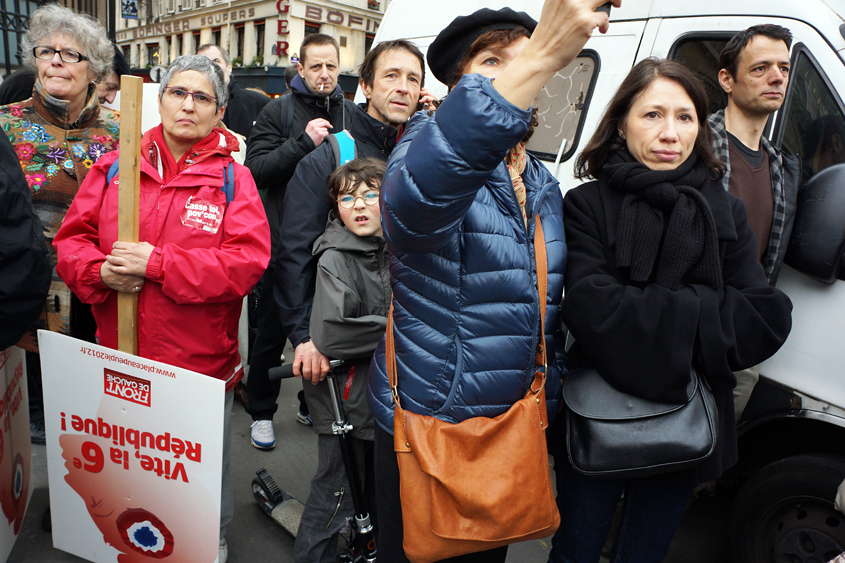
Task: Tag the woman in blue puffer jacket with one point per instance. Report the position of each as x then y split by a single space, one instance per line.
458 210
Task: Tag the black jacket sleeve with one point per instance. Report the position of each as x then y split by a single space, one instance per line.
25 263
307 207
643 339
746 322
271 155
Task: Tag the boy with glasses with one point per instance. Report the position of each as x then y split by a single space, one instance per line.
348 319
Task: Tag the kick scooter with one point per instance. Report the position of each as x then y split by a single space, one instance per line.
286 509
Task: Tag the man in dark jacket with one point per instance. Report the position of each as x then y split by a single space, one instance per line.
754 73
391 78
244 105
287 129
25 264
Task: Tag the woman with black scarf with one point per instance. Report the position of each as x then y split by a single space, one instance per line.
662 272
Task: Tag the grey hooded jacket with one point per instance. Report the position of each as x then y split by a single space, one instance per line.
349 316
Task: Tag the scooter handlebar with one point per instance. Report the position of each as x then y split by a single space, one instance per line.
281 372
286 371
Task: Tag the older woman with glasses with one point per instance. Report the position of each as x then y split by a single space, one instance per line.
58 134
205 236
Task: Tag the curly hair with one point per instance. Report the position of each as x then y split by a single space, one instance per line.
52 19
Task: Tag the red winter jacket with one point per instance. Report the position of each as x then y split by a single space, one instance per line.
202 266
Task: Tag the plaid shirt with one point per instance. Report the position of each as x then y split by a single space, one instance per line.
721 147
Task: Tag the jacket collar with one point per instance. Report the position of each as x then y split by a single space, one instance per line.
300 90
373 132
152 152
338 237
58 111
233 88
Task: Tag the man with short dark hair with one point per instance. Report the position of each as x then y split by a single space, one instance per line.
392 77
287 129
244 105
754 73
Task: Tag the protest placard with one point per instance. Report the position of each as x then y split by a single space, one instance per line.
134 452
15 449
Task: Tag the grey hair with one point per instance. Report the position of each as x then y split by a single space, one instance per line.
226 58
52 19
204 66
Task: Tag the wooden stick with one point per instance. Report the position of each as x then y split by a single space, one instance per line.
131 96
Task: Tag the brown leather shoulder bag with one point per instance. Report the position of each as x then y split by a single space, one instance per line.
481 483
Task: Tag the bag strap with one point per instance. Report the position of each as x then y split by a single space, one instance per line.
228 187
542 283
343 147
286 112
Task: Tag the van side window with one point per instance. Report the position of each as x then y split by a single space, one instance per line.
701 55
561 106
812 123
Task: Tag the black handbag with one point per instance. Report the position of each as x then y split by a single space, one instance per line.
616 435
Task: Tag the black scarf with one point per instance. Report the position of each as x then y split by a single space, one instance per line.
689 252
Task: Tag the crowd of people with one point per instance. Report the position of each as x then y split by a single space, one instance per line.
662 265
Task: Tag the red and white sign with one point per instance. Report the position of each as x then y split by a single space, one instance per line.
126 387
15 450
134 452
202 213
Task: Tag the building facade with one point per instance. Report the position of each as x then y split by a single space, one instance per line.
14 16
256 33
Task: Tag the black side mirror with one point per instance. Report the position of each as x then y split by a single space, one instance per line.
818 235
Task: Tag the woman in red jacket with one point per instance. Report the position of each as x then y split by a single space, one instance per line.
202 249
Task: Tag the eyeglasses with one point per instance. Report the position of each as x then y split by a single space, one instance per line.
66 55
347 201
179 95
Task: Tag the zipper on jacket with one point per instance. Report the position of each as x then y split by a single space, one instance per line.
456 377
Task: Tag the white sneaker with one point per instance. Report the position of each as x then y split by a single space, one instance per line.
223 551
262 435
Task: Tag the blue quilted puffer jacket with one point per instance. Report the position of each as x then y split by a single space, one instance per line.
466 308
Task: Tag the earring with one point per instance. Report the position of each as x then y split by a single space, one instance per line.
621 134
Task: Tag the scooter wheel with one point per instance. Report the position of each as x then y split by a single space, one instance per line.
262 496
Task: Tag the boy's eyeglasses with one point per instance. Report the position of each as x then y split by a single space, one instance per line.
67 55
347 201
179 95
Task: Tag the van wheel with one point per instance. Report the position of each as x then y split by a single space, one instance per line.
785 512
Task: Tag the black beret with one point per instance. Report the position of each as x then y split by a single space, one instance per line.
453 43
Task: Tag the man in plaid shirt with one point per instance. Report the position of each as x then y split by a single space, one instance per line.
754 73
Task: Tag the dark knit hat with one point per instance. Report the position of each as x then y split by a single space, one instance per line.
453 43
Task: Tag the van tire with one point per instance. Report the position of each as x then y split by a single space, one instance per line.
785 512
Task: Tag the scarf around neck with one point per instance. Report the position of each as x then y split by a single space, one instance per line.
685 247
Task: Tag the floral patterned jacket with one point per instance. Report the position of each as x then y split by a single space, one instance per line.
55 156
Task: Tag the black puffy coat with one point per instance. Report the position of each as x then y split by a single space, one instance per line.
642 337
25 263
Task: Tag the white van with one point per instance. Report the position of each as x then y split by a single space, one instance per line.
792 434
